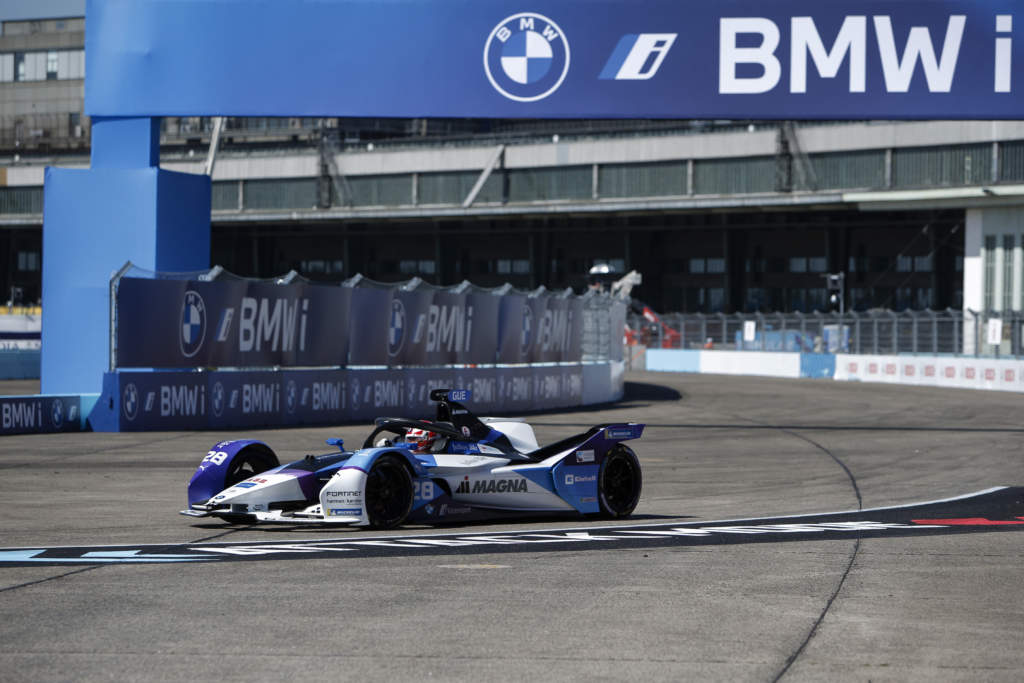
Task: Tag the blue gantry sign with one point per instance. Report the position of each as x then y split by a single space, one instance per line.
566 58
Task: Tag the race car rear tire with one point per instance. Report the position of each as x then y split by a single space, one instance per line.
619 482
389 492
248 462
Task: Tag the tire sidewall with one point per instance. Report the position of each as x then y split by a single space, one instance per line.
619 452
389 460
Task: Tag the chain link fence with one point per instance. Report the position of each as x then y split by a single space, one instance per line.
872 332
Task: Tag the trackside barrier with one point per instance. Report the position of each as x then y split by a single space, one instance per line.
43 414
217 320
958 372
172 400
211 350
965 372
19 363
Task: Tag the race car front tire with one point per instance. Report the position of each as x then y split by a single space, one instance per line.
389 492
248 462
619 482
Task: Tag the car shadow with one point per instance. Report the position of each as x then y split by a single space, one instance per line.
468 524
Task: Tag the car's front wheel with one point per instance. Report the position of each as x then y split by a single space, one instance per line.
250 461
619 482
389 492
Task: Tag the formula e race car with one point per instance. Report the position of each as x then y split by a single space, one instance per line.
455 468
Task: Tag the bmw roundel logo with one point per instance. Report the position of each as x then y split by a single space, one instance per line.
130 401
526 57
527 335
396 327
217 398
291 393
193 323
57 413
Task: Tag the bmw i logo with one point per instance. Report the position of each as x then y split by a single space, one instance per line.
57 413
526 57
130 401
396 327
193 323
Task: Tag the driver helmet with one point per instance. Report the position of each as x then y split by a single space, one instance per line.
425 440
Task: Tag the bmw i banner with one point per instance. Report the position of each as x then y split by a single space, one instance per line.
179 323
169 400
562 58
244 324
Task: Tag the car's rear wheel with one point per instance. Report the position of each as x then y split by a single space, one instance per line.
389 493
619 482
249 462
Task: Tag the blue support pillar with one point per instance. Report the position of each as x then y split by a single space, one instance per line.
123 208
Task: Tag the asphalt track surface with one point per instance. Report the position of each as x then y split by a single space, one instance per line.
933 603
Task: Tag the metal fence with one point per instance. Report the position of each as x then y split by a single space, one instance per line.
872 332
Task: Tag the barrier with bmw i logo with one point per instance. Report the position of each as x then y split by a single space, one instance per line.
220 399
198 354
44 414
162 323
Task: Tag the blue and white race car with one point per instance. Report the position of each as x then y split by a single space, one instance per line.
455 468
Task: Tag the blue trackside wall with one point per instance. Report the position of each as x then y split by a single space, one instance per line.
45 414
19 363
168 400
937 371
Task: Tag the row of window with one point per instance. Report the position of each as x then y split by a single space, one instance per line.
51 65
809 299
518 185
1000 253
944 167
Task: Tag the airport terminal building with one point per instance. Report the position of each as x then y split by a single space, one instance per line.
718 216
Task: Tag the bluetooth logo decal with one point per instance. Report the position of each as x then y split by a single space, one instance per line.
526 57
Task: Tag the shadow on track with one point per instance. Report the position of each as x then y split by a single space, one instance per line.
833 428
315 527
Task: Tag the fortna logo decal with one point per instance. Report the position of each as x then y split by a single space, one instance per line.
526 57
193 323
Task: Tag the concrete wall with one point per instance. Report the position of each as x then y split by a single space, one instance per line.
954 372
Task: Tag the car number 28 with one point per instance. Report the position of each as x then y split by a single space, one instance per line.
216 457
423 490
